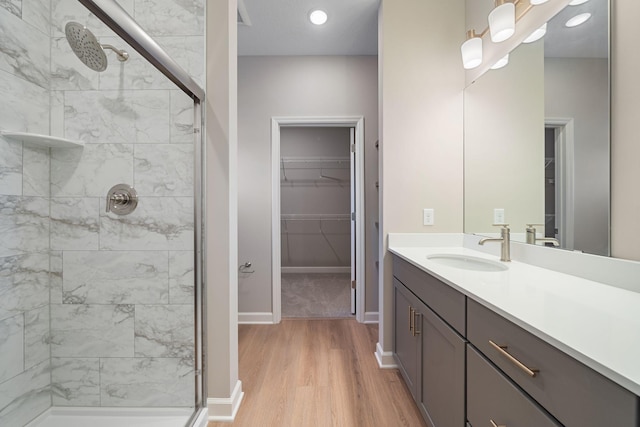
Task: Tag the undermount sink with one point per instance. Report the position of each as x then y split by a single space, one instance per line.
467 262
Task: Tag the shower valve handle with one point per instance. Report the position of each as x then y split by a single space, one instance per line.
122 199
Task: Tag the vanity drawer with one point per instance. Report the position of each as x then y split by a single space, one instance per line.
448 303
573 393
492 397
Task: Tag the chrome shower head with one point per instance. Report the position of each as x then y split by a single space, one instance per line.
88 49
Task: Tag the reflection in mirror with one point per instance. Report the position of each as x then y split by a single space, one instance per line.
537 138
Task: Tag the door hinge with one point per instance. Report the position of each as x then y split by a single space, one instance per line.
353 216
353 148
353 284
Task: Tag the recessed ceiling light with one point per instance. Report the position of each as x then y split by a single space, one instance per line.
318 17
577 2
578 20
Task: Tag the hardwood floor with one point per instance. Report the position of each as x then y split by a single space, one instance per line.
322 373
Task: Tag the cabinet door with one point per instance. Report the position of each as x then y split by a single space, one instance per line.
406 346
491 397
442 398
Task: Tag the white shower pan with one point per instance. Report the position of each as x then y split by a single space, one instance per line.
116 417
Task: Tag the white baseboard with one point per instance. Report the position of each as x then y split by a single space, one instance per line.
255 318
224 409
371 317
385 358
310 270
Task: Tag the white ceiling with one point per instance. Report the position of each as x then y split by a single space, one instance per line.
282 27
589 40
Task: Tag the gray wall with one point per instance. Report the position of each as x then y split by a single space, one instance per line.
313 243
296 86
103 304
578 88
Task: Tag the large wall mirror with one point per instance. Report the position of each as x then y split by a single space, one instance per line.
537 135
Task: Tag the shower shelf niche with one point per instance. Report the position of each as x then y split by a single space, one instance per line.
42 140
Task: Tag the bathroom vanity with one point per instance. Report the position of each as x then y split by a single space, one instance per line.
521 346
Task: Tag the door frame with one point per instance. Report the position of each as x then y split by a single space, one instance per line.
356 122
565 164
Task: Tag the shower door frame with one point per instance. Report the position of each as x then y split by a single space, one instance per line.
116 18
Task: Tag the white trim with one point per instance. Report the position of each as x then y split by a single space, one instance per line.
385 358
371 317
202 420
276 123
315 270
255 318
565 173
224 409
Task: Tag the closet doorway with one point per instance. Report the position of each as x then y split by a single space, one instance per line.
318 204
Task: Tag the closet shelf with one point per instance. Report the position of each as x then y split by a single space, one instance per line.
315 217
41 140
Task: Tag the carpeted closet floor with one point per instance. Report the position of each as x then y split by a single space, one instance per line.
316 295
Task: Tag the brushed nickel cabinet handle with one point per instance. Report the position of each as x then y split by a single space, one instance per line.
415 325
410 319
493 424
502 349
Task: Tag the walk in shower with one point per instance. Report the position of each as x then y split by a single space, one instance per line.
100 212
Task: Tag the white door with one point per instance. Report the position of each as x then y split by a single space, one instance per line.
352 142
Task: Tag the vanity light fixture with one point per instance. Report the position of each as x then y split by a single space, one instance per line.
502 21
537 2
471 50
502 62
577 2
318 17
578 20
537 34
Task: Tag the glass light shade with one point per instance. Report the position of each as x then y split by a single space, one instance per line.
502 22
318 17
471 53
537 34
537 2
577 2
501 62
578 20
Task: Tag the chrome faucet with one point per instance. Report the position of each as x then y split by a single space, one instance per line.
532 239
505 239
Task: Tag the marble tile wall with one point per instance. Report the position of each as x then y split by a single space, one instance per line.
25 373
95 309
122 286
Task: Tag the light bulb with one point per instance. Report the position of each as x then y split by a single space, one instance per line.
502 22
537 34
537 2
471 52
578 20
577 2
501 62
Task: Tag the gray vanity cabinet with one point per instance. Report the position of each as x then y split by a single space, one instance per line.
407 342
493 398
573 393
428 350
442 359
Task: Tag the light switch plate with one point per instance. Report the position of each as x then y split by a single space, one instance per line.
428 217
498 216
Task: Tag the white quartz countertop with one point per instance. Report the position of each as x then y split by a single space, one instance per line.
594 323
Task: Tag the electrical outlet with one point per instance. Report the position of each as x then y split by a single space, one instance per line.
428 217
498 216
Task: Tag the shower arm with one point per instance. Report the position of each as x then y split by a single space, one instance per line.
122 55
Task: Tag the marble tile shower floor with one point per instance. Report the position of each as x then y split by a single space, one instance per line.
316 295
